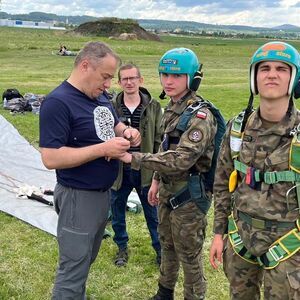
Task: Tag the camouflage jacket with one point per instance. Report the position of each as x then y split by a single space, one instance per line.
194 148
265 150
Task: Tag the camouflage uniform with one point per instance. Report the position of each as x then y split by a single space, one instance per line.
182 231
265 147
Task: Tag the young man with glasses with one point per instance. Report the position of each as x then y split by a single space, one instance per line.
137 109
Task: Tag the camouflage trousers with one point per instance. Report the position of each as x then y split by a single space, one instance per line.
182 233
246 279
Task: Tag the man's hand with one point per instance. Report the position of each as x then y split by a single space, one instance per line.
69 157
153 199
216 251
116 147
132 135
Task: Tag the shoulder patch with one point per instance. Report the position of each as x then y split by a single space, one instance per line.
201 114
195 135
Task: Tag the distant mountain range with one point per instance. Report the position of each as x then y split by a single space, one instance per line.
45 17
190 25
148 24
287 27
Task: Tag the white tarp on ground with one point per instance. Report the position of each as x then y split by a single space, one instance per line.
20 164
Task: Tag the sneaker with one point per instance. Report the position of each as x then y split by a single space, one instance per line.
121 258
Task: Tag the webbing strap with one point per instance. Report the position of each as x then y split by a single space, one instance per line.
263 223
237 124
237 243
280 250
181 198
268 177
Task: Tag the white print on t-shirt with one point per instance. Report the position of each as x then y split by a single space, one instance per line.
104 123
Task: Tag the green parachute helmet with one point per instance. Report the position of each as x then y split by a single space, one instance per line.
180 61
276 51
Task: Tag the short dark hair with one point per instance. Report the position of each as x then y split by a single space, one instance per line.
95 51
128 67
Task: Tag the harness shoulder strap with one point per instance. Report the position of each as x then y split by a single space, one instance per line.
294 157
188 114
208 177
236 133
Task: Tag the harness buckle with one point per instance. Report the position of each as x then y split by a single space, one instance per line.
173 203
236 239
270 177
275 253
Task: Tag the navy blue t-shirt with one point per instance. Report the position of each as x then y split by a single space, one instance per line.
70 118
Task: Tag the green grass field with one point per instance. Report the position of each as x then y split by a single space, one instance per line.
28 256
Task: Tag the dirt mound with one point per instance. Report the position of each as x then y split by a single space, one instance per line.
114 27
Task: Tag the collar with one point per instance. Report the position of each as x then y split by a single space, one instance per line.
179 106
144 95
283 127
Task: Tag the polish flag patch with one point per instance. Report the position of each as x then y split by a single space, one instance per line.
201 115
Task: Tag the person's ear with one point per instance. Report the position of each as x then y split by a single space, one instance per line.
141 79
84 65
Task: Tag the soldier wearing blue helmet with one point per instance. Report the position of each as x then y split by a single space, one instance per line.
257 184
184 165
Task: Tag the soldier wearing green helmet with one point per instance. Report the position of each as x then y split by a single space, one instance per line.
257 184
184 167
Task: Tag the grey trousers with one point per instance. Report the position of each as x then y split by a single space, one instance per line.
82 217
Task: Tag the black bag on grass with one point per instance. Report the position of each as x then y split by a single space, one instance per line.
11 94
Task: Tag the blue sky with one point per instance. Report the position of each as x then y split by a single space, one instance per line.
266 13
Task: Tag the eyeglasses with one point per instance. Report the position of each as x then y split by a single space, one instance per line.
125 79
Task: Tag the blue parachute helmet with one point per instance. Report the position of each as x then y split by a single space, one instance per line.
276 51
180 61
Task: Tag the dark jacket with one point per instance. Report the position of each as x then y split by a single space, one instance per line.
149 128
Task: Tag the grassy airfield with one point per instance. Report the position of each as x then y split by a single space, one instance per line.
28 256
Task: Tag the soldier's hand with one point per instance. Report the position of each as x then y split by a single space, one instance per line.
216 251
153 199
126 158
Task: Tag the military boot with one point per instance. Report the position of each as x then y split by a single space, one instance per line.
163 294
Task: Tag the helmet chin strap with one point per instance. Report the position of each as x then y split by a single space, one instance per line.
162 95
297 90
248 111
196 79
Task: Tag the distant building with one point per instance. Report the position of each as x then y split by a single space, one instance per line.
29 24
178 30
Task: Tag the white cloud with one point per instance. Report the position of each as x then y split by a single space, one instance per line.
213 12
